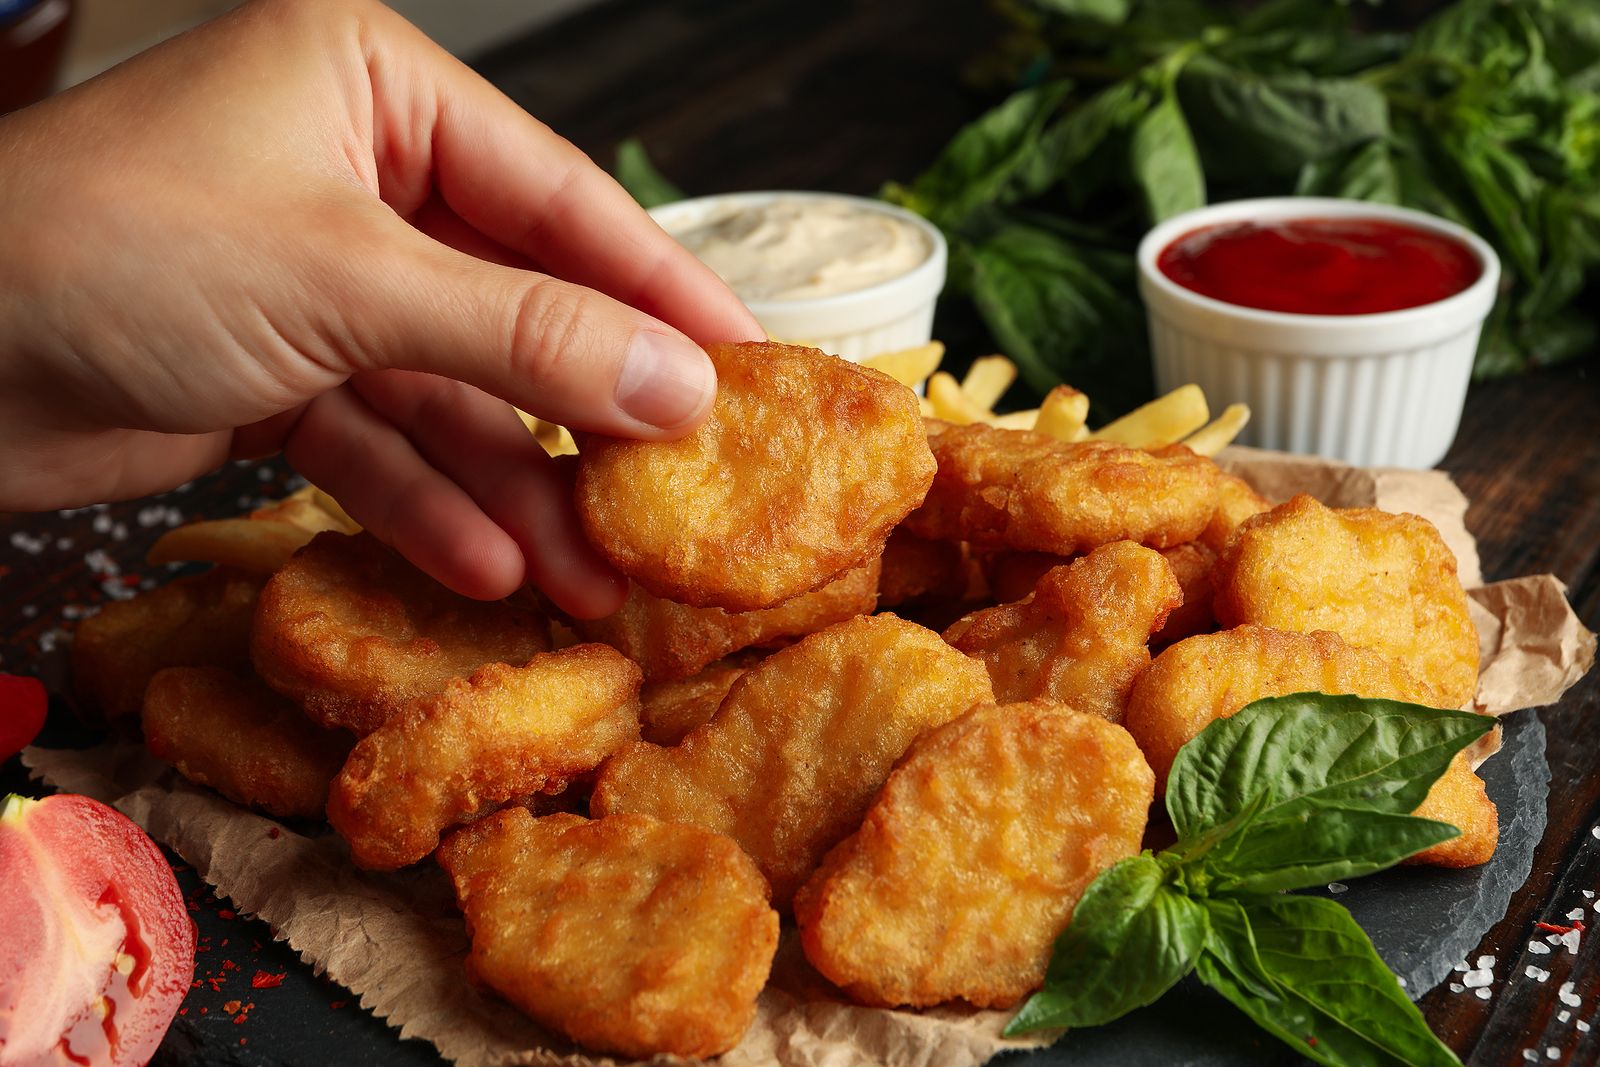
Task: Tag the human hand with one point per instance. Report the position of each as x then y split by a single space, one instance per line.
305 227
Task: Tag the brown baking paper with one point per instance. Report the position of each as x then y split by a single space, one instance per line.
398 942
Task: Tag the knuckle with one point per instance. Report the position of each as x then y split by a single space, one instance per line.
551 332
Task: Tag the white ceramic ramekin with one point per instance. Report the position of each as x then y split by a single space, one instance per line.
1374 390
892 315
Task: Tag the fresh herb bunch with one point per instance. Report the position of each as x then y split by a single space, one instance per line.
1291 792
1136 110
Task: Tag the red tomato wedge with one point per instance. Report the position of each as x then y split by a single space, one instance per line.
23 704
96 948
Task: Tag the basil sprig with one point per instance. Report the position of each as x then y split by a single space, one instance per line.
1291 792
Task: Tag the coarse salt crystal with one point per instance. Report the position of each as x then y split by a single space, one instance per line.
29 610
1567 996
1538 974
1575 913
1337 887
1483 993
1583 1027
1401 979
1486 962
1538 948
102 523
1571 939
1475 979
1563 1017
1552 1053
1460 966
1588 894
1594 832
1554 939
1456 987
1529 1055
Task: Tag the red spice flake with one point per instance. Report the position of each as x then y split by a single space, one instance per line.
224 943
1311 1041
238 1019
1557 929
183 1011
263 980
241 1040
336 1004
226 913
229 965
274 833
131 581
202 1011
232 1007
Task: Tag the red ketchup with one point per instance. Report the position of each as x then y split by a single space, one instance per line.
1351 266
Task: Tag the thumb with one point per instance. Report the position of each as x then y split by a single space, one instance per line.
560 351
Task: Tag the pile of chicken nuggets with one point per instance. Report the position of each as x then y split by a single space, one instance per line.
907 684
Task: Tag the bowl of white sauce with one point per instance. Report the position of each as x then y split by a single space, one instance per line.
849 275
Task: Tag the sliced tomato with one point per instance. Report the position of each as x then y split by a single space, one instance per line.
22 709
96 947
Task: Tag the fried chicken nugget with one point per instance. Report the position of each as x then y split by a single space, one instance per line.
918 571
352 631
201 620
1082 636
1022 490
242 739
1237 501
805 465
627 934
502 734
970 862
1380 581
801 744
1210 677
671 640
669 710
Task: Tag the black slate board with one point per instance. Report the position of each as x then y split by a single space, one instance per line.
1422 920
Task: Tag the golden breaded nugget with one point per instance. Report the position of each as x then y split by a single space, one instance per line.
201 620
242 739
1236 502
804 466
1194 565
1380 581
669 710
971 860
1022 490
352 631
801 744
1210 677
502 734
1082 636
1012 575
918 571
626 934
670 640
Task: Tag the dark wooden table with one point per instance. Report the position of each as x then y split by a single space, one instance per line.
839 95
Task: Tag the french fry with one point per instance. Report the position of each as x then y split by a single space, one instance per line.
557 440
988 379
1016 420
334 511
258 545
1063 414
927 408
909 366
1161 422
1220 432
310 509
952 404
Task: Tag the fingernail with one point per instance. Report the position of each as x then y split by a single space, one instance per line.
665 381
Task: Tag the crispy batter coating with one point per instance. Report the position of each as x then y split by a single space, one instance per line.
1021 490
918 571
1236 502
805 465
202 620
971 860
669 710
1012 575
1194 565
1380 581
627 934
1081 637
502 734
1210 677
801 744
671 640
352 631
240 738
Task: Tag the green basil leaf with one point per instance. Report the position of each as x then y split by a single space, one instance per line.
1062 311
1165 163
1105 12
1315 753
1132 937
1366 172
1333 845
1085 134
639 176
1250 126
1303 970
980 166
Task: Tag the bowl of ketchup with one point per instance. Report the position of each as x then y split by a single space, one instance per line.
1348 327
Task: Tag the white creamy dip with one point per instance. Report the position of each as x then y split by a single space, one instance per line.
796 248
